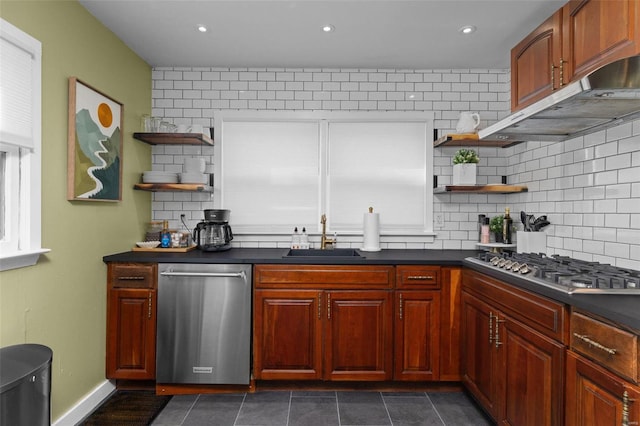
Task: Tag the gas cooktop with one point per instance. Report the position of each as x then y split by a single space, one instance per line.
563 273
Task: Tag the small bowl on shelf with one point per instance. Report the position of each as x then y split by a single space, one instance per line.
148 244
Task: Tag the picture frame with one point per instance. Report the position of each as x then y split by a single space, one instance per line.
95 142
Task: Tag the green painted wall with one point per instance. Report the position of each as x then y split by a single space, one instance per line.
61 302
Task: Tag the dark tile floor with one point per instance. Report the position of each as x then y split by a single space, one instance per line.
322 408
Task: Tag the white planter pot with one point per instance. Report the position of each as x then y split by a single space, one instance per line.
464 174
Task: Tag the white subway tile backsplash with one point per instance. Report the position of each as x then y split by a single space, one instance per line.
588 186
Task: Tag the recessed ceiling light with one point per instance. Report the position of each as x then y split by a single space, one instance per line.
328 28
467 29
202 28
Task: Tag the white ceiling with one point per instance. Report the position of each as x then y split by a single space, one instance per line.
400 34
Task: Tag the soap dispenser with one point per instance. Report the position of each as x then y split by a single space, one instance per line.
304 239
295 239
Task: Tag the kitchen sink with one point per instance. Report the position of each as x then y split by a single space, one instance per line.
323 253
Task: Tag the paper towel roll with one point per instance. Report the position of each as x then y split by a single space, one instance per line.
371 232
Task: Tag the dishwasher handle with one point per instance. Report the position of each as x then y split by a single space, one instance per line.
240 274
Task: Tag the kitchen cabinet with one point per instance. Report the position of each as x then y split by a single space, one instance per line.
358 335
323 322
417 323
450 304
602 373
597 32
595 396
535 63
578 39
131 321
513 351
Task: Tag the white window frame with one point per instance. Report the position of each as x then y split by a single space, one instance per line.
425 232
23 226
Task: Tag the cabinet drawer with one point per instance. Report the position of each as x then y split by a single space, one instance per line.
610 346
132 275
324 276
543 315
423 277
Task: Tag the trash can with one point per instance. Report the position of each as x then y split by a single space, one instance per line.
25 385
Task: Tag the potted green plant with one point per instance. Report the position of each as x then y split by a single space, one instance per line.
495 226
465 162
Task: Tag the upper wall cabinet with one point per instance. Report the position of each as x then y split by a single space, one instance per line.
598 32
533 63
578 39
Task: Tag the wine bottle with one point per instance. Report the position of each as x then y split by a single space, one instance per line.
507 225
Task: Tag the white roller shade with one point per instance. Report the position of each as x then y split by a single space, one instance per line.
16 93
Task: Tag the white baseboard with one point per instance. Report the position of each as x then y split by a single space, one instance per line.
89 403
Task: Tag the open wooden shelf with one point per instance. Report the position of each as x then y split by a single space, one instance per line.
174 138
495 188
155 187
471 139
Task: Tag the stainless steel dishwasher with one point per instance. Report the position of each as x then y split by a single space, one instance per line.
204 324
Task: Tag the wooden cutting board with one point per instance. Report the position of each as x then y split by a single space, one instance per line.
166 250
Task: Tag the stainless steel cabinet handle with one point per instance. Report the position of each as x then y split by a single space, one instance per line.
400 305
625 408
319 305
133 278
595 344
205 274
419 277
553 77
328 305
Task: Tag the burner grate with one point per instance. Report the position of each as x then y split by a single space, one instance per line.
565 273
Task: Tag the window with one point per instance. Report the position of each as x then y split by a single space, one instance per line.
276 170
20 148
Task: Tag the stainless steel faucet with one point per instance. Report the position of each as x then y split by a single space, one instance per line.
323 239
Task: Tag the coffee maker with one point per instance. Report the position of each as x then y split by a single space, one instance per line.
214 233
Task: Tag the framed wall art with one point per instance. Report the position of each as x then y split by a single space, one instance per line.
94 144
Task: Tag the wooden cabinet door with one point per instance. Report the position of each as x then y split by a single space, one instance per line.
358 335
287 340
596 32
450 304
480 369
417 335
595 396
535 63
532 367
131 333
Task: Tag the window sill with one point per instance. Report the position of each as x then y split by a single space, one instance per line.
20 259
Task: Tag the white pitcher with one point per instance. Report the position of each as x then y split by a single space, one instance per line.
468 122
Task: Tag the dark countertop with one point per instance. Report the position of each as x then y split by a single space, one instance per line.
622 309
278 255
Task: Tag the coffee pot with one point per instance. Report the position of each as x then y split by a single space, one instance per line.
468 122
214 233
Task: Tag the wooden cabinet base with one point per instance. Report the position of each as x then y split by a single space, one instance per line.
187 389
387 386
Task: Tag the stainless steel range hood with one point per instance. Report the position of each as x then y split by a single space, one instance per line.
606 97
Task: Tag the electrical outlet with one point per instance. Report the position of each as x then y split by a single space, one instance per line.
439 221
